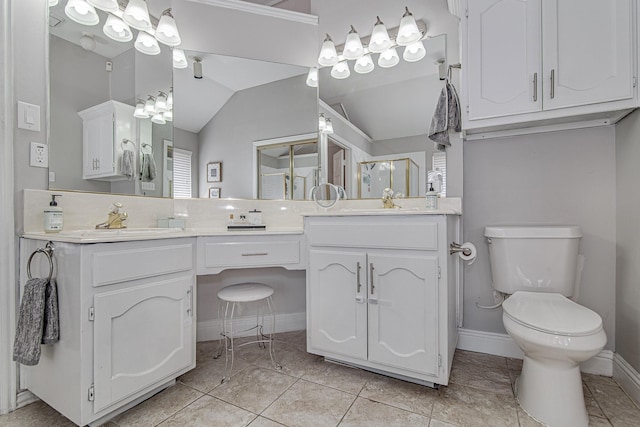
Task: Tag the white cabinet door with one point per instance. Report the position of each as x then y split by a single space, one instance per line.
337 298
142 335
403 311
503 50
98 134
588 49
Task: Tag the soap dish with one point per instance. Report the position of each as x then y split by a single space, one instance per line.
246 227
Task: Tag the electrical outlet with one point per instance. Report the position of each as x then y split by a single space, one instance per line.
39 155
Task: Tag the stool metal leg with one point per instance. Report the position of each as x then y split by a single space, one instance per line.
222 339
272 353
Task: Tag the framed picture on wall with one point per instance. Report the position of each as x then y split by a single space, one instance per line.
214 192
214 172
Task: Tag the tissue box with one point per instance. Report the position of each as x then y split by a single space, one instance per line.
172 223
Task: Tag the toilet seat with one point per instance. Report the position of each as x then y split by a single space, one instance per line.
551 313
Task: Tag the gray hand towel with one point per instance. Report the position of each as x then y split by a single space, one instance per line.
38 320
446 116
127 164
148 168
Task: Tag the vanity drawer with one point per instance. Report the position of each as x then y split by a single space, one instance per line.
249 254
408 232
126 261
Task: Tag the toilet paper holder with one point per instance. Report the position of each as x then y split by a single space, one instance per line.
454 248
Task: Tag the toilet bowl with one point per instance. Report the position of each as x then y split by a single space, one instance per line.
536 268
556 335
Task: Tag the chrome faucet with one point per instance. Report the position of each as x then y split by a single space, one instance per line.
116 218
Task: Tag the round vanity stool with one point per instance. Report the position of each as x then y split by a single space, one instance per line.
231 297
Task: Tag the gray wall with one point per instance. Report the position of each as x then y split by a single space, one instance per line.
188 141
563 177
628 236
283 108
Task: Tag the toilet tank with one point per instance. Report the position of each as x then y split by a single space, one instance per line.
534 258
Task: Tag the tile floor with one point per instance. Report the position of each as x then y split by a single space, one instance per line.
310 392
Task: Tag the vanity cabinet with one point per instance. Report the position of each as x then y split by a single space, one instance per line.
127 325
382 292
535 60
106 128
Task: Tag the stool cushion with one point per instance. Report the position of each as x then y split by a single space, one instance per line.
245 292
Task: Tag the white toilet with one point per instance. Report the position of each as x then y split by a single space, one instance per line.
536 267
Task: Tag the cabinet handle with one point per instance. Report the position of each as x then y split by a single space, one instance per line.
553 83
535 87
358 267
255 254
190 297
371 277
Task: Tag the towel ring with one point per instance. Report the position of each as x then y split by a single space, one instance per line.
48 251
126 141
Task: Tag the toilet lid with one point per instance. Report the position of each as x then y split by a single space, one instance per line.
551 313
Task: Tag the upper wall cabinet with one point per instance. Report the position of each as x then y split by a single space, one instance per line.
545 61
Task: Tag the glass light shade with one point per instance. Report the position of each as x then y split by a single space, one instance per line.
364 64
150 106
312 77
353 46
414 52
168 116
136 15
87 42
161 103
167 30
158 119
139 111
106 5
146 44
322 122
379 41
179 59
116 29
170 99
408 31
328 55
340 70
389 58
81 12
328 127
53 3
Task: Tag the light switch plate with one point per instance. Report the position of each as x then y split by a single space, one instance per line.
28 116
39 155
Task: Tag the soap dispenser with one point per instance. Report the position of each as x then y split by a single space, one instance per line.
432 198
53 216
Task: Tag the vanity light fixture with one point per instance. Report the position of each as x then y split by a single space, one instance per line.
179 59
414 52
328 55
322 122
116 29
158 119
170 99
408 31
139 112
81 12
168 115
136 14
328 129
389 58
146 43
150 106
312 77
167 31
106 5
364 64
53 3
380 40
353 46
161 102
340 70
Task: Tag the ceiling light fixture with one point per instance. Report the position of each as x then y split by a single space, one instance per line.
81 12
136 14
167 31
116 29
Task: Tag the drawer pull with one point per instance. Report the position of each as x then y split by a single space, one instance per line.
256 254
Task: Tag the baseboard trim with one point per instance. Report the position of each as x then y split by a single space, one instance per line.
25 397
210 330
627 377
503 345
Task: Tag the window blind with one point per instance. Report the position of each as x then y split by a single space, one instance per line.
181 174
439 163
